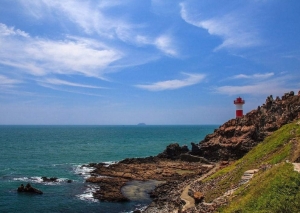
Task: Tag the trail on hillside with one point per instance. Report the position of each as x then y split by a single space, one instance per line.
189 201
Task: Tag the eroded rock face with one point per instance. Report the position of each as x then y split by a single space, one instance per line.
238 136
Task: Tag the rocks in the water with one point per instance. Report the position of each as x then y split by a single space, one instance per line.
110 188
29 189
52 179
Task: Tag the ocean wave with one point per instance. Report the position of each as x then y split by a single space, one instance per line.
41 181
83 170
87 194
137 207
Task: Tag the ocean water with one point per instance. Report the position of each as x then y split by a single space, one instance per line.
28 153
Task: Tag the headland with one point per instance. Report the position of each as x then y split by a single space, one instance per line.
206 177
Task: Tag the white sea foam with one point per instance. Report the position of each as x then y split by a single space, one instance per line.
40 180
87 195
86 170
138 207
83 170
108 163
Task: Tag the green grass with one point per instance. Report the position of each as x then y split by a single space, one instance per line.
274 149
276 190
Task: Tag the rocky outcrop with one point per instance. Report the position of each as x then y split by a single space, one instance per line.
238 136
111 178
173 151
29 189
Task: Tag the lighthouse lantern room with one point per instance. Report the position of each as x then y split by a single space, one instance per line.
239 107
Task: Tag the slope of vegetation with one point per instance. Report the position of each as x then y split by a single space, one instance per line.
275 188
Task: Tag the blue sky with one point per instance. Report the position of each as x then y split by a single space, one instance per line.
151 61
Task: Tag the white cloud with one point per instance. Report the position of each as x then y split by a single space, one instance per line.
173 84
56 81
267 87
8 82
254 76
166 45
231 27
10 31
73 55
91 17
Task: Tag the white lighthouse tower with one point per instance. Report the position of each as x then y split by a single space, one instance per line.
239 107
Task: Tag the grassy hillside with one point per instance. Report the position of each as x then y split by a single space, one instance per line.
275 188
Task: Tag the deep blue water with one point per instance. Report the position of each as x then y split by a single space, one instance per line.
29 152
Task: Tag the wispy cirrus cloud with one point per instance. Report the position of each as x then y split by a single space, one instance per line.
40 57
85 14
93 19
254 76
231 27
190 80
264 86
60 82
8 82
165 43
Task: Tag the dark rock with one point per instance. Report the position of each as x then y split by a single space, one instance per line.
198 197
52 179
195 149
193 158
29 189
173 151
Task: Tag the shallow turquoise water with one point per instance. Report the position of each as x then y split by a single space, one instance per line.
29 152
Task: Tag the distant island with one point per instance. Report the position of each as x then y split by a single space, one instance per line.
141 124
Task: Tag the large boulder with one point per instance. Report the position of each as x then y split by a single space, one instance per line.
173 151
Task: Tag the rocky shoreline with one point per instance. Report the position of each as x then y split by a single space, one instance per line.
111 178
177 167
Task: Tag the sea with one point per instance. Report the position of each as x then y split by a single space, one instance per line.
28 153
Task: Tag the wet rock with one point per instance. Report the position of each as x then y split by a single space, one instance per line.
52 179
29 189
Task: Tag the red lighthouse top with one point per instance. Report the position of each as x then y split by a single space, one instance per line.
239 100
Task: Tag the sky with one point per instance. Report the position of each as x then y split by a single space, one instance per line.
123 62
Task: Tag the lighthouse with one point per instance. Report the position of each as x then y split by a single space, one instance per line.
239 107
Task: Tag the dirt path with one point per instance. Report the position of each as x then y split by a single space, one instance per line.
189 201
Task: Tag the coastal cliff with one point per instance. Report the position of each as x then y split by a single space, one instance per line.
238 136
205 178
263 172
